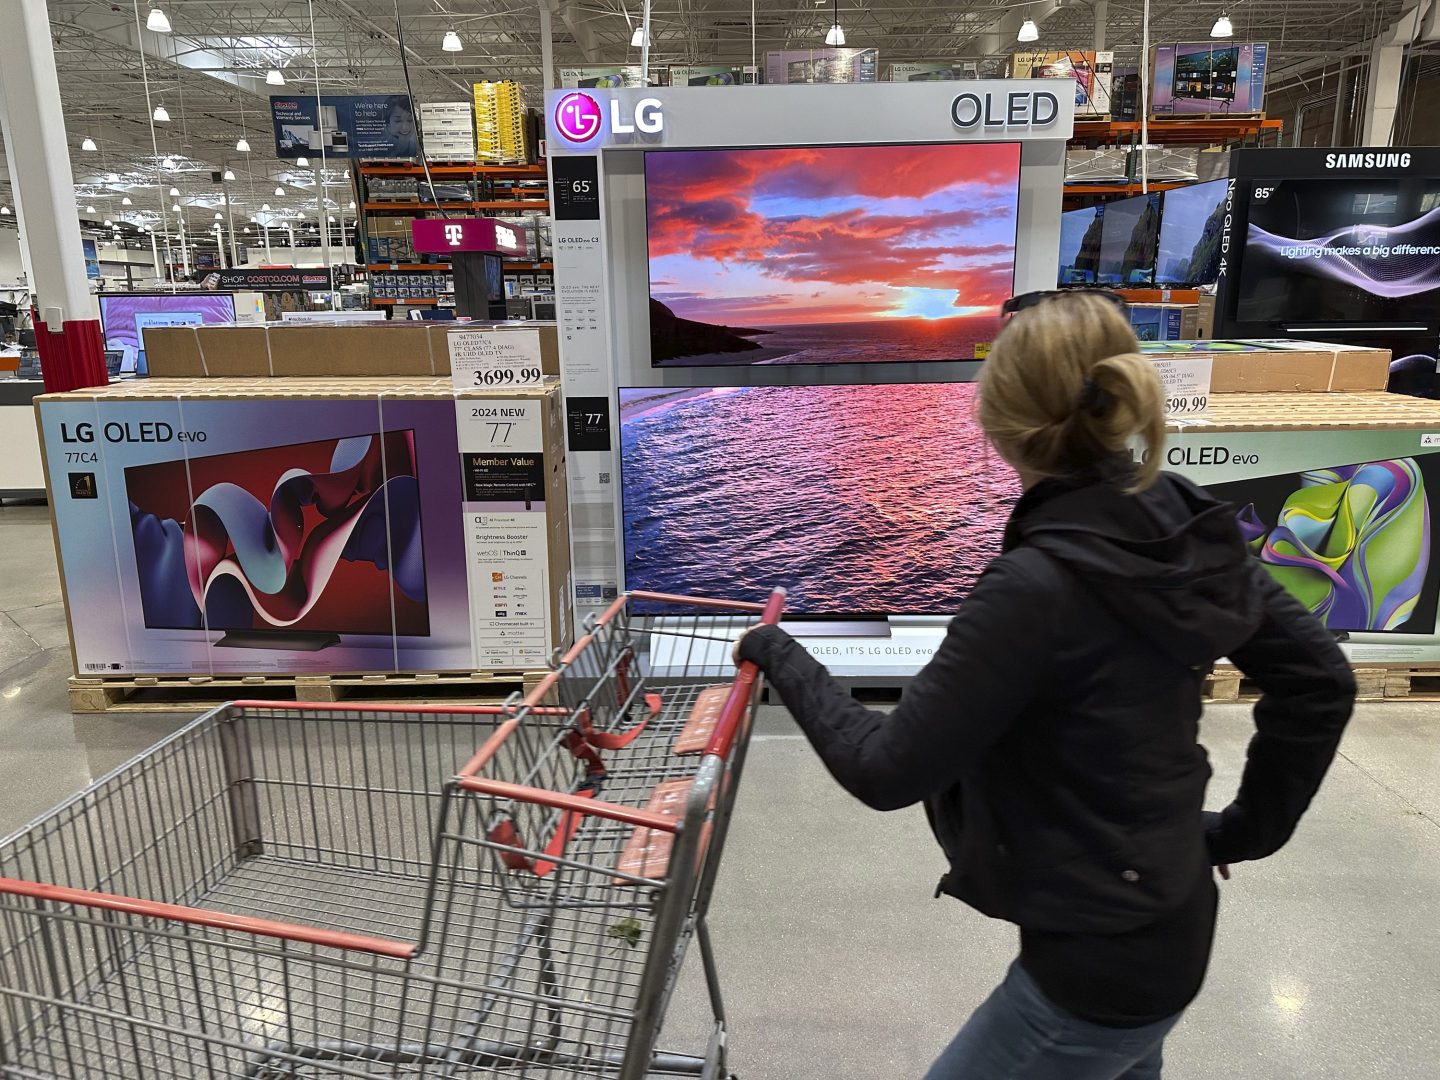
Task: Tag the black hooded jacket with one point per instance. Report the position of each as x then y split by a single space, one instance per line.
1053 736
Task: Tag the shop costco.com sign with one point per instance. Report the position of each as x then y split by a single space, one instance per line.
1018 108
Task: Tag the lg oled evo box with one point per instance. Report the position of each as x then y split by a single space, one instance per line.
335 526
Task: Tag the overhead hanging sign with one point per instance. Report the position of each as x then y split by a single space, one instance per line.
440 236
360 126
265 280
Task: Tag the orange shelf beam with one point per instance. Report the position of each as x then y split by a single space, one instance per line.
524 171
1198 131
1123 189
495 204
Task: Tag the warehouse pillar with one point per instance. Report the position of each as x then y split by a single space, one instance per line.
71 351
1387 64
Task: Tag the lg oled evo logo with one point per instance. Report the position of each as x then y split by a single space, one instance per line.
1019 108
579 117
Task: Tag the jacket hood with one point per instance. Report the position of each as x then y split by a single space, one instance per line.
1168 562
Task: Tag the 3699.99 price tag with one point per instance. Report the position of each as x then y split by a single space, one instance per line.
495 359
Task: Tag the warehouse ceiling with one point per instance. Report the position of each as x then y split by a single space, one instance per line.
209 72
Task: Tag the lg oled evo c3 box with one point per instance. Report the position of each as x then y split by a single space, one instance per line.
332 526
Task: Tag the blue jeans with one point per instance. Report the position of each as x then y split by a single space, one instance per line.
1018 1035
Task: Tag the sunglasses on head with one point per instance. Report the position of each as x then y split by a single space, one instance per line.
1019 303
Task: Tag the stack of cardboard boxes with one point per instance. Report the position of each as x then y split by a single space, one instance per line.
448 128
500 123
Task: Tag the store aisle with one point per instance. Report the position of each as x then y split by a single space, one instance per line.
836 962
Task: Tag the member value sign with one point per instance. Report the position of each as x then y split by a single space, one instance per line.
500 359
1186 380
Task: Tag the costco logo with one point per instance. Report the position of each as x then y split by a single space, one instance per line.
578 117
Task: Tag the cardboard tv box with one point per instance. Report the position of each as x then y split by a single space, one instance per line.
283 350
308 526
1282 366
1165 322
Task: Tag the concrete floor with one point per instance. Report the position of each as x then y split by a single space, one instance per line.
836 962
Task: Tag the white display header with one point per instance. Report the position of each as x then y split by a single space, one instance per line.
583 121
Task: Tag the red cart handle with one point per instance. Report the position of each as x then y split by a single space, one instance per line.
733 711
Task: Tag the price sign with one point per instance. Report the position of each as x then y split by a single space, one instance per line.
1186 380
495 359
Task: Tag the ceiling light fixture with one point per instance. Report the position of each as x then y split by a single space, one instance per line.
109 224
126 201
168 163
451 42
836 36
302 162
112 178
4 211
88 144
174 191
279 190
219 217
242 145
274 78
247 230
1028 31
157 22
1222 27
637 37
161 114
176 208
90 209
229 175
264 207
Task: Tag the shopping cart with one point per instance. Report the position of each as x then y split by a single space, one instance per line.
388 890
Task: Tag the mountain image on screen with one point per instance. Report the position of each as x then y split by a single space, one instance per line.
1128 237
829 254
1351 542
308 537
1080 245
1341 251
860 500
1192 222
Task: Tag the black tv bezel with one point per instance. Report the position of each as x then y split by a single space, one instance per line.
862 365
1159 210
790 616
206 628
1155 278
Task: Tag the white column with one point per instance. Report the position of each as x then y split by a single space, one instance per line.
40 175
1387 62
184 252
155 251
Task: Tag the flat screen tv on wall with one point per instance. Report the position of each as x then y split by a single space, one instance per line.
1192 223
318 538
1341 251
829 254
860 500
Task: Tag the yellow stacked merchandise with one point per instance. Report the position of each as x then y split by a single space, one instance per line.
499 122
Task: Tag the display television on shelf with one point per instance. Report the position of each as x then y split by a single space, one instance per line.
1080 245
860 500
1352 542
124 317
1340 251
1209 78
319 538
1192 224
829 254
1129 235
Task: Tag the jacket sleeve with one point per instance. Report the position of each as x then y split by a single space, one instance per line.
979 679
1307 693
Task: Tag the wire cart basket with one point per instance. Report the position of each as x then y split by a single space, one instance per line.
307 891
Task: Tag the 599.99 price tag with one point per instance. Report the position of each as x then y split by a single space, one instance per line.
495 359
1186 380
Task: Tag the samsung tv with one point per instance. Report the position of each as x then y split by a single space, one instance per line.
861 500
829 254
1192 223
1080 246
1129 235
1341 251
124 317
285 546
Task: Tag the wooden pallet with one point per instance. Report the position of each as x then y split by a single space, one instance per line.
190 693
1165 118
1372 684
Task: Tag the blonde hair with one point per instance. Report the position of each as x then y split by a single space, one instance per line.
1065 387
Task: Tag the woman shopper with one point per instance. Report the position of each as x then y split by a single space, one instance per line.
1053 736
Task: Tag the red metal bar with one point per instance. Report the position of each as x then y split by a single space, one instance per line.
218 920
502 789
489 748
697 601
740 690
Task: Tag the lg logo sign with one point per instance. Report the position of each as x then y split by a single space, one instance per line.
454 234
579 117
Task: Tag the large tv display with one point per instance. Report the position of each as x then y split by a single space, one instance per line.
1209 78
1192 220
286 538
1080 245
1351 542
1129 234
860 500
1341 251
124 317
829 254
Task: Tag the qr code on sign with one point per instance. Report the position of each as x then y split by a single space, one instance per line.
604 478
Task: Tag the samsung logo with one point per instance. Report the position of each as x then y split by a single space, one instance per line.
1367 161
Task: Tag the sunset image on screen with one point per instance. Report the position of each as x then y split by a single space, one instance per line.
838 254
